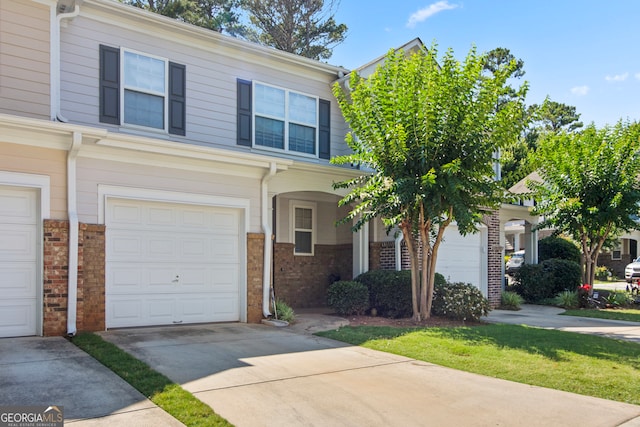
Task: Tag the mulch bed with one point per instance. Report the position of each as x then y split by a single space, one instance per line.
432 322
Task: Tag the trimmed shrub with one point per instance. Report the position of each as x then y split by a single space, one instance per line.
567 299
348 297
390 291
459 301
542 281
555 247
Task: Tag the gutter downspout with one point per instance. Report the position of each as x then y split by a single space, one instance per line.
398 247
266 229
55 62
72 287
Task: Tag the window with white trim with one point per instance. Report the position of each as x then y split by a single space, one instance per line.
303 224
285 120
616 252
144 90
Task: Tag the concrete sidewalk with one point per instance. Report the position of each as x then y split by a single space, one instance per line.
53 371
256 375
551 318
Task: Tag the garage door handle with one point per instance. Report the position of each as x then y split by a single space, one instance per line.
177 321
176 280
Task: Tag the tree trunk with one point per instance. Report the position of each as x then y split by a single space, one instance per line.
415 276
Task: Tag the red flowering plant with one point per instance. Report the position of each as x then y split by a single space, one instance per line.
583 294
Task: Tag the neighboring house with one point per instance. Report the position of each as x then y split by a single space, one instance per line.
143 162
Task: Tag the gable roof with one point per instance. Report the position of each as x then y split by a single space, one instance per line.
521 186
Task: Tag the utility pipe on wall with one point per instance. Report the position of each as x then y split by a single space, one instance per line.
266 229
398 248
72 287
55 61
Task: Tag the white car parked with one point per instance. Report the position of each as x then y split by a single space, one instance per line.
632 271
516 260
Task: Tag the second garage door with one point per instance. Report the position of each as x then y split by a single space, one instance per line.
461 258
171 263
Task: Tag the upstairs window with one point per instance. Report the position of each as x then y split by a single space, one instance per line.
142 90
285 120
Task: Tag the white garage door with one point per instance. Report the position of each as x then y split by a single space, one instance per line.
461 258
18 261
171 263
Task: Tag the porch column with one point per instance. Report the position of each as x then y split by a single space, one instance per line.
361 251
516 242
530 244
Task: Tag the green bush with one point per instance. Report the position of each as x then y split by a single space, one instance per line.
603 273
555 247
510 300
390 291
460 301
567 299
284 311
348 297
537 282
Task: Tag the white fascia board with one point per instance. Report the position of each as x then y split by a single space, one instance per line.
43 133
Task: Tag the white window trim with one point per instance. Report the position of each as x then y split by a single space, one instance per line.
314 224
618 248
165 95
286 121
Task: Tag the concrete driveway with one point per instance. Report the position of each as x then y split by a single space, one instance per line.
53 371
256 375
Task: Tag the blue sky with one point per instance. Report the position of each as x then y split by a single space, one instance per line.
583 53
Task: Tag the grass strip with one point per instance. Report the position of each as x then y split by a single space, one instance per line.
169 396
577 363
626 314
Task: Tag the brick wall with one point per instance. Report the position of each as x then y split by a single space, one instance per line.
56 264
616 266
91 278
495 259
302 281
90 309
255 260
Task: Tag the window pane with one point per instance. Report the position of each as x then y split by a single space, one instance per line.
143 109
302 139
303 242
269 132
302 109
143 73
304 218
269 101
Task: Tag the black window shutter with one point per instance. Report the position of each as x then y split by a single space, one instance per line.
177 99
324 130
109 85
244 113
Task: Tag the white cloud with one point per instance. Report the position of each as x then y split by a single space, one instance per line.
617 77
427 12
580 90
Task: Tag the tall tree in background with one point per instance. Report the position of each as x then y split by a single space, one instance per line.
590 187
304 27
429 132
216 15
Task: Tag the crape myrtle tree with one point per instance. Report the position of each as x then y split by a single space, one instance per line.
428 129
590 187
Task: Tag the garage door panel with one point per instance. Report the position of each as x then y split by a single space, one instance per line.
182 266
18 280
460 257
17 317
19 235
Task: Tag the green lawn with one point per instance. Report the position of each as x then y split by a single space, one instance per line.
578 363
630 315
175 400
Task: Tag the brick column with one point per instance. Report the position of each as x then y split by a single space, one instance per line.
494 259
56 267
91 278
255 260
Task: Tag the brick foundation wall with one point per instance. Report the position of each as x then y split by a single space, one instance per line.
91 278
616 266
255 260
90 309
56 265
302 281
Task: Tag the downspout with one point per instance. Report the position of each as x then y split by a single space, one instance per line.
56 62
398 247
72 288
266 229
